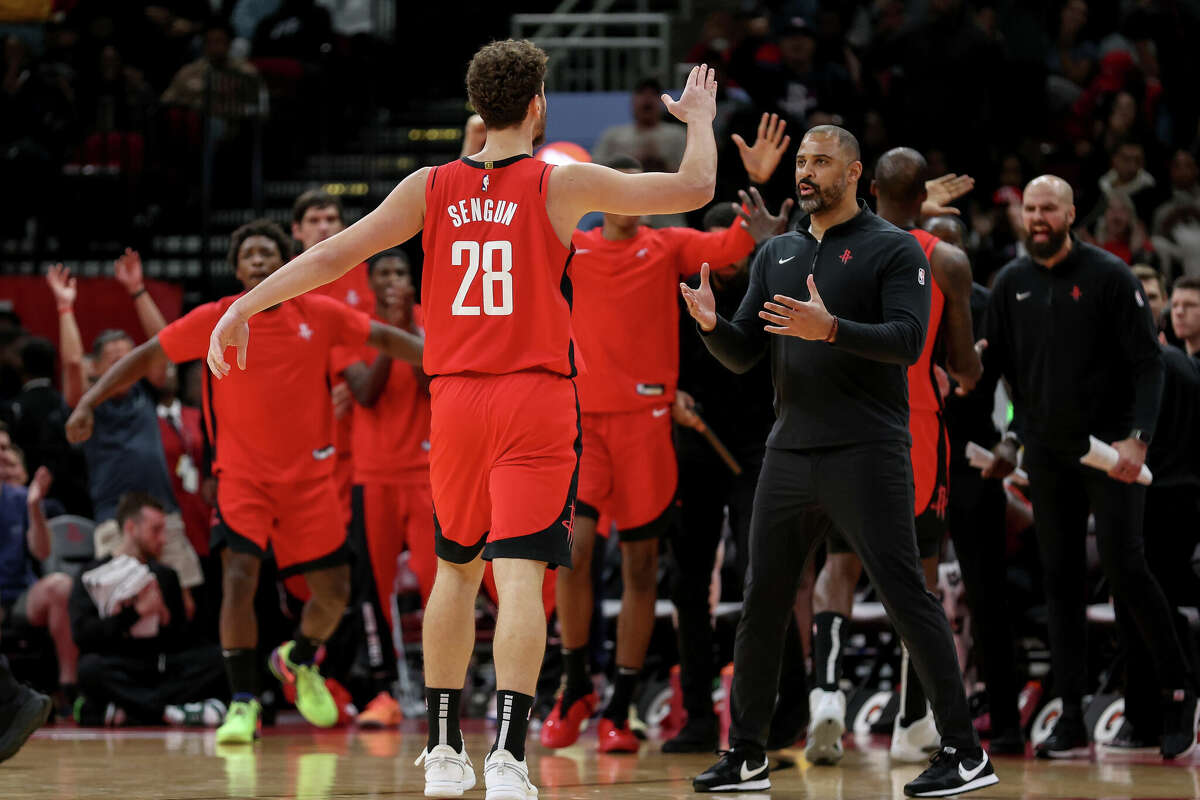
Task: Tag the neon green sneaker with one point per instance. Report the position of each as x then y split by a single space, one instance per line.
313 700
241 725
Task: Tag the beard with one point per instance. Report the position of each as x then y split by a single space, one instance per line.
822 199
1049 247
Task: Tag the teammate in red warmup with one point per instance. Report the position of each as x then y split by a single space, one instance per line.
391 454
625 270
899 187
496 294
273 446
317 215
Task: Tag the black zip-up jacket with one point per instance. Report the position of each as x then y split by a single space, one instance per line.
1078 347
969 418
875 279
1172 456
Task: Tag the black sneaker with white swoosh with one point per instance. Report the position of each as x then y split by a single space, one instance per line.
953 771
738 770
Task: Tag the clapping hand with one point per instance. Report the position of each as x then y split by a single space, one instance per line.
62 284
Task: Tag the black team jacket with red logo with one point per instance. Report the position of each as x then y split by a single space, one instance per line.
875 279
1078 347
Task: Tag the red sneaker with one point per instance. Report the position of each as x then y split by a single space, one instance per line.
562 730
611 739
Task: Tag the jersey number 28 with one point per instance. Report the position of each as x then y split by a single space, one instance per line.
497 278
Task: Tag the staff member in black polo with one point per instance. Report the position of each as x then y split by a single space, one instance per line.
1070 328
838 454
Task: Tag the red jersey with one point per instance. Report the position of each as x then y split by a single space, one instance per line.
391 438
271 422
354 290
923 394
183 446
627 311
495 286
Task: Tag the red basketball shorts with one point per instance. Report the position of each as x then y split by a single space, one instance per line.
504 466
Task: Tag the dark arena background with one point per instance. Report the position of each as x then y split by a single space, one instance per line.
136 138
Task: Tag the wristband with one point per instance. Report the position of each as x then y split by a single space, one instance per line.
832 331
138 293
65 310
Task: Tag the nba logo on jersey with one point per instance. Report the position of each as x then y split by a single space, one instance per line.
921 276
486 179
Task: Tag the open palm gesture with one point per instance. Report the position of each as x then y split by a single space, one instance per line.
62 284
700 302
698 103
761 158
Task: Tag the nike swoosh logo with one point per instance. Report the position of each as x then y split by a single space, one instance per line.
785 260
581 251
747 774
970 775
1023 295
658 412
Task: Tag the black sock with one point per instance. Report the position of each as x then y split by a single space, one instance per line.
304 651
8 684
829 634
623 686
579 682
512 721
914 706
441 714
241 667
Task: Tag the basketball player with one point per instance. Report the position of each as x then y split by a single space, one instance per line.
505 418
899 188
626 271
317 215
391 456
838 455
273 462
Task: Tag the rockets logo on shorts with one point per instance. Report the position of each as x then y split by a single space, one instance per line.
921 276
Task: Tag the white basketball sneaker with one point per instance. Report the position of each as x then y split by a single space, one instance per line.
917 742
447 773
506 778
827 723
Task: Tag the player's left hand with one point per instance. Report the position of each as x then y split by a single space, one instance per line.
940 192
231 331
684 411
761 159
802 319
1132 454
698 102
758 222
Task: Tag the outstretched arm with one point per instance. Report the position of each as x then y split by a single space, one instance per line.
134 366
952 271
128 271
70 342
576 189
396 343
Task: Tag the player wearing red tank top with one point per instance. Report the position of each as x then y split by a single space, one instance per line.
900 190
272 427
505 440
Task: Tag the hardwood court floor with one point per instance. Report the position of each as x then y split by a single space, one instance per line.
298 762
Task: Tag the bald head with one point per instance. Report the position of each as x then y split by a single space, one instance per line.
948 229
1055 185
844 138
900 176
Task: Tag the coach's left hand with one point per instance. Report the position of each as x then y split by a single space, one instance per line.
802 319
1132 455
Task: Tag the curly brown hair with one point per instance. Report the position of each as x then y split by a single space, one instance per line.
259 227
503 78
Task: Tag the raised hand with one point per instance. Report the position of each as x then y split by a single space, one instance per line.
128 270
758 222
802 319
230 331
39 486
698 103
62 284
940 192
700 302
761 159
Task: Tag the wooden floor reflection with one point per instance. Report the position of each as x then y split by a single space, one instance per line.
295 762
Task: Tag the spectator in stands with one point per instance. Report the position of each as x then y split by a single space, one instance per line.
133 669
1120 231
1156 292
800 83
188 86
1179 243
125 453
298 29
1072 58
25 538
1129 177
657 144
1185 312
1185 189
114 97
38 414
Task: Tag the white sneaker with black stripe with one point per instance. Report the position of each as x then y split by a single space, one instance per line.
506 778
447 773
952 772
